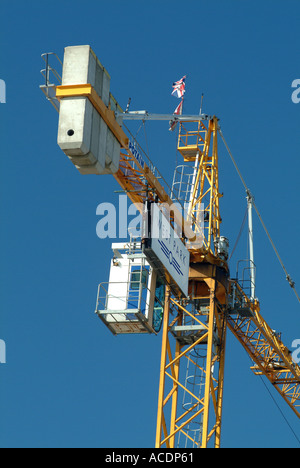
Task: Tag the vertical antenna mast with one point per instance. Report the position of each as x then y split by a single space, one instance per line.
251 246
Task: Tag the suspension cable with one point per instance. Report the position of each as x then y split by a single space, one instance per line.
239 235
288 277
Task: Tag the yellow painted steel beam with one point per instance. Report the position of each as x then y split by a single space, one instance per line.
160 412
87 90
209 359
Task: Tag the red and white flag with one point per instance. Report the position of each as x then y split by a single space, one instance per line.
178 111
179 88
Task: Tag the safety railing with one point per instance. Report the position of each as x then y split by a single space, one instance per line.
52 78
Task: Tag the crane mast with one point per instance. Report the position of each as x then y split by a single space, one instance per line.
193 365
195 323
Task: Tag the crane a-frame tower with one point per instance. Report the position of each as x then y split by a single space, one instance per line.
194 322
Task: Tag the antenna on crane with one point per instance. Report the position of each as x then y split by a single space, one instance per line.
250 200
202 97
128 105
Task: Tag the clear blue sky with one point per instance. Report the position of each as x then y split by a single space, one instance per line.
67 381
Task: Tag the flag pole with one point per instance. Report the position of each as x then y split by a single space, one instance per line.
201 103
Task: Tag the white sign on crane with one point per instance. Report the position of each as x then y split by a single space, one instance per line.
166 251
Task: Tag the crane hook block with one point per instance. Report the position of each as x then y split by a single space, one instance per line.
83 135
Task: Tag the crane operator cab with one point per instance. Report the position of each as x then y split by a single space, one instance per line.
133 299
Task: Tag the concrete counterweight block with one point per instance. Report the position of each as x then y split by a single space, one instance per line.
82 134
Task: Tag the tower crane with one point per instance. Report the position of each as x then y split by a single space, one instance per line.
194 312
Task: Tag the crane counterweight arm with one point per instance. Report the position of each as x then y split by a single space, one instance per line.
134 175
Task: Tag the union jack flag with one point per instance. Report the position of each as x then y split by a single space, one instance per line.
179 88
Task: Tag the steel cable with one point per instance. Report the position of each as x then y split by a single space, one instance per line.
288 277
